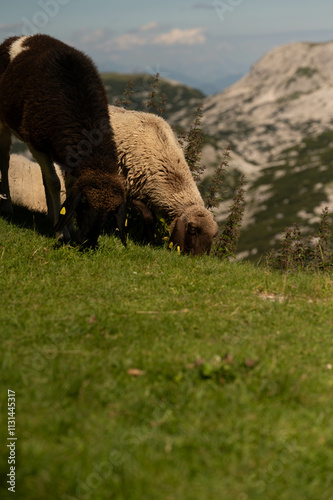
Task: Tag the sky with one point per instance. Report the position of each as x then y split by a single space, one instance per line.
205 44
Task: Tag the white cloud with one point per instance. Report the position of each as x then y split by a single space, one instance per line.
93 36
150 26
130 40
144 36
177 36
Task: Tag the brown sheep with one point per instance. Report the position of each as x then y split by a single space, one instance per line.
53 99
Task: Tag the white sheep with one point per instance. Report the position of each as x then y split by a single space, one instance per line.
156 176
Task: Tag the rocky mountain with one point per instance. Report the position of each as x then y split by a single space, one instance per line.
287 95
279 121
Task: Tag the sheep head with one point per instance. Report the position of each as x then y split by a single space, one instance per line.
94 197
193 231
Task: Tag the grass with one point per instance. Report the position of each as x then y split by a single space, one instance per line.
143 374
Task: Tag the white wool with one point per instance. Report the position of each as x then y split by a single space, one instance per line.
153 163
17 47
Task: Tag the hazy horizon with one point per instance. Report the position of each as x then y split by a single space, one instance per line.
202 44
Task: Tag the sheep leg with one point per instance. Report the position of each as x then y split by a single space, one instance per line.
52 189
6 208
69 182
148 219
49 202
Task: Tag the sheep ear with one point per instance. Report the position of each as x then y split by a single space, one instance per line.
67 210
120 214
177 238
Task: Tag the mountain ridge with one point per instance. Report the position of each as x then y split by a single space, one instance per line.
289 92
278 120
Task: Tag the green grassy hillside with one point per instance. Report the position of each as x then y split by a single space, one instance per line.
141 374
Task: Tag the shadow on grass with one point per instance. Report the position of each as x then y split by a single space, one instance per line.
30 219
38 222
41 224
135 232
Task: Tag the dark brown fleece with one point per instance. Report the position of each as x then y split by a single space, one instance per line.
53 98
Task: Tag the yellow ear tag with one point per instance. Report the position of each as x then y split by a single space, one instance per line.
178 250
126 223
63 211
170 245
